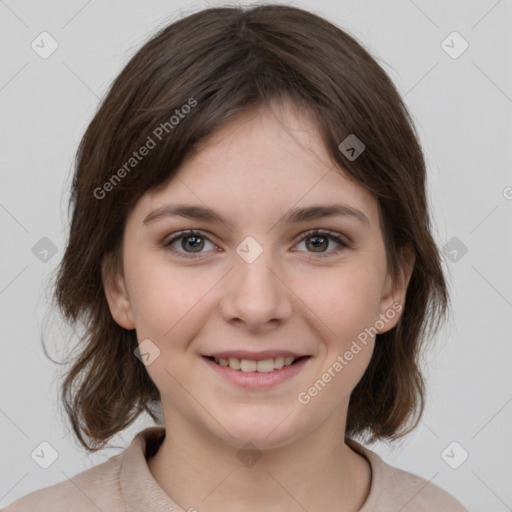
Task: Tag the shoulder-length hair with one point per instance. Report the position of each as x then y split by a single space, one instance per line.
179 88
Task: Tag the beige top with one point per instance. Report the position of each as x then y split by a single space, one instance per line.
124 483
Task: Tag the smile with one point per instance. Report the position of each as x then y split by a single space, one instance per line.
262 372
251 365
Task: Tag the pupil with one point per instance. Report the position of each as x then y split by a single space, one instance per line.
196 242
316 238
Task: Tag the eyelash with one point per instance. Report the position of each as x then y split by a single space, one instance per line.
308 234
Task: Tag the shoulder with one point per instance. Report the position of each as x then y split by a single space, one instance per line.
124 478
94 489
395 489
417 494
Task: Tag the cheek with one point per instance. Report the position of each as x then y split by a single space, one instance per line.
347 307
344 300
346 304
166 300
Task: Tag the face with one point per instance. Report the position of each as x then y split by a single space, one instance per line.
256 286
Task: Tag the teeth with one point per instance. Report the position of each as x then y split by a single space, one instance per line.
249 365
246 365
234 363
278 363
265 366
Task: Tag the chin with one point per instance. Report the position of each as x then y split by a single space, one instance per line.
264 432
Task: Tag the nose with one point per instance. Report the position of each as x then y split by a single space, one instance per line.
256 294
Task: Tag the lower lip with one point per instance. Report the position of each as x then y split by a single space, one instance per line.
257 379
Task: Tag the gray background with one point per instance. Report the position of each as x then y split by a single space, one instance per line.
462 107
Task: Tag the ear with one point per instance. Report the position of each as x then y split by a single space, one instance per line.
394 291
116 292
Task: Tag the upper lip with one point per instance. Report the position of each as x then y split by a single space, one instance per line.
256 356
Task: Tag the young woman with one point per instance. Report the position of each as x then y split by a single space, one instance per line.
250 251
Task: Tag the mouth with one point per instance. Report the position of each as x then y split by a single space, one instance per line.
266 365
257 371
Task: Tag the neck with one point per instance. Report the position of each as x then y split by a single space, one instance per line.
318 472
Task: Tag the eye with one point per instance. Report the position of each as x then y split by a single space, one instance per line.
320 240
194 240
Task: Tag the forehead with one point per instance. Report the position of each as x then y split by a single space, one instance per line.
267 160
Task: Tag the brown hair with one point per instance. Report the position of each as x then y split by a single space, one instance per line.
228 60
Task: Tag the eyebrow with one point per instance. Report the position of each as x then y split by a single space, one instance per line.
296 215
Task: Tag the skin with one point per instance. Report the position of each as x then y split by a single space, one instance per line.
252 171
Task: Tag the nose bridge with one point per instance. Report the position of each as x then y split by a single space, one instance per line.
254 274
256 292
